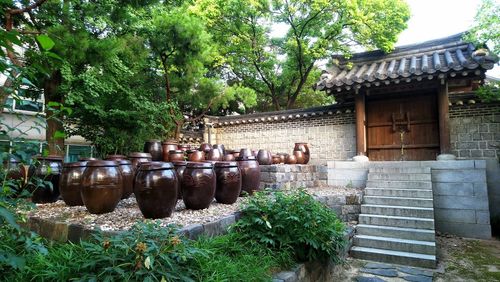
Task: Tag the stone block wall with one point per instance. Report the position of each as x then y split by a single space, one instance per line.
292 176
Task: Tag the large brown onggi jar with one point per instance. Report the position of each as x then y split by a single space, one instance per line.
198 185
176 155
127 172
102 186
264 157
155 189
136 158
166 148
48 169
250 174
115 157
215 155
154 148
70 183
179 166
228 182
304 147
244 153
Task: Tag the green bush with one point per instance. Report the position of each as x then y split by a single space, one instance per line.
292 220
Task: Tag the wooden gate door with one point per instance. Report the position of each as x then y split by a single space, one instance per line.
402 128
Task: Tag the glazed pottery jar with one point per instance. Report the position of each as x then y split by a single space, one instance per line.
115 157
127 172
276 159
176 155
221 148
166 148
70 183
155 189
228 182
214 155
179 166
136 158
264 157
304 147
154 148
244 153
197 156
291 159
282 157
236 154
205 147
250 174
49 169
300 156
198 185
102 186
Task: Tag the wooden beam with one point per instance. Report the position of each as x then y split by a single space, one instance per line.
360 123
444 119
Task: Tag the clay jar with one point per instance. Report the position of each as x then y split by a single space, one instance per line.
229 158
176 155
136 158
276 159
184 148
115 157
244 153
300 156
205 147
291 159
250 174
166 148
197 156
127 172
221 148
282 157
70 183
264 157
304 147
155 189
179 166
198 185
49 169
102 186
15 171
228 182
215 155
154 148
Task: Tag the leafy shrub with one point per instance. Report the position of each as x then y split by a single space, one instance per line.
292 220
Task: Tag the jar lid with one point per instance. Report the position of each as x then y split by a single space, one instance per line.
156 166
244 158
76 164
99 163
203 165
139 155
176 152
123 162
180 163
226 164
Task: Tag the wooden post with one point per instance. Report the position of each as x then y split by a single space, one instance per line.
444 118
360 124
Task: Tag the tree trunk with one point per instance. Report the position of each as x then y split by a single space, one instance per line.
54 123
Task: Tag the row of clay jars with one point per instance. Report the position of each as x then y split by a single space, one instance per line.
49 170
298 157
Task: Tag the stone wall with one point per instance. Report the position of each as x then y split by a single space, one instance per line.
292 176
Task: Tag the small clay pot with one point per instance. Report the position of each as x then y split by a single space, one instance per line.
264 157
166 148
228 182
155 189
127 172
276 159
176 155
250 174
49 169
102 185
179 166
154 148
282 157
291 159
215 155
300 156
254 153
221 148
244 153
70 183
205 147
304 147
198 185
115 157
196 156
136 158
236 154
229 158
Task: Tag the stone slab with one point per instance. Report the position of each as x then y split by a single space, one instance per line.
453 189
417 278
461 203
480 231
454 215
381 271
459 175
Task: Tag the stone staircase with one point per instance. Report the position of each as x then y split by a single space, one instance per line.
396 224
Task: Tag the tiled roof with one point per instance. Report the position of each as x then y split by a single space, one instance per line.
447 56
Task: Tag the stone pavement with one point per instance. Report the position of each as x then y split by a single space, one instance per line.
378 272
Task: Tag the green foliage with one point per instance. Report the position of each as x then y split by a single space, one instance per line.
292 221
489 92
486 28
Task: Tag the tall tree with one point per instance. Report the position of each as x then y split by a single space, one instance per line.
278 69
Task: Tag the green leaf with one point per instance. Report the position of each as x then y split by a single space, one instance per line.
45 42
9 217
59 135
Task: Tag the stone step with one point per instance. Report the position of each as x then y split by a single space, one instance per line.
399 184
395 244
398 232
398 211
393 192
398 201
399 176
401 169
397 221
396 257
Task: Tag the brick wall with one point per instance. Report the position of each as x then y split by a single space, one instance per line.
475 130
330 137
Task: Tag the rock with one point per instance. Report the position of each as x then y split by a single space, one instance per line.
415 271
378 265
417 278
369 279
387 272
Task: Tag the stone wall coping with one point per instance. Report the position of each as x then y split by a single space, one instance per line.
455 164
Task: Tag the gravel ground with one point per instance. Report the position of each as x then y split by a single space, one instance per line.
127 212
